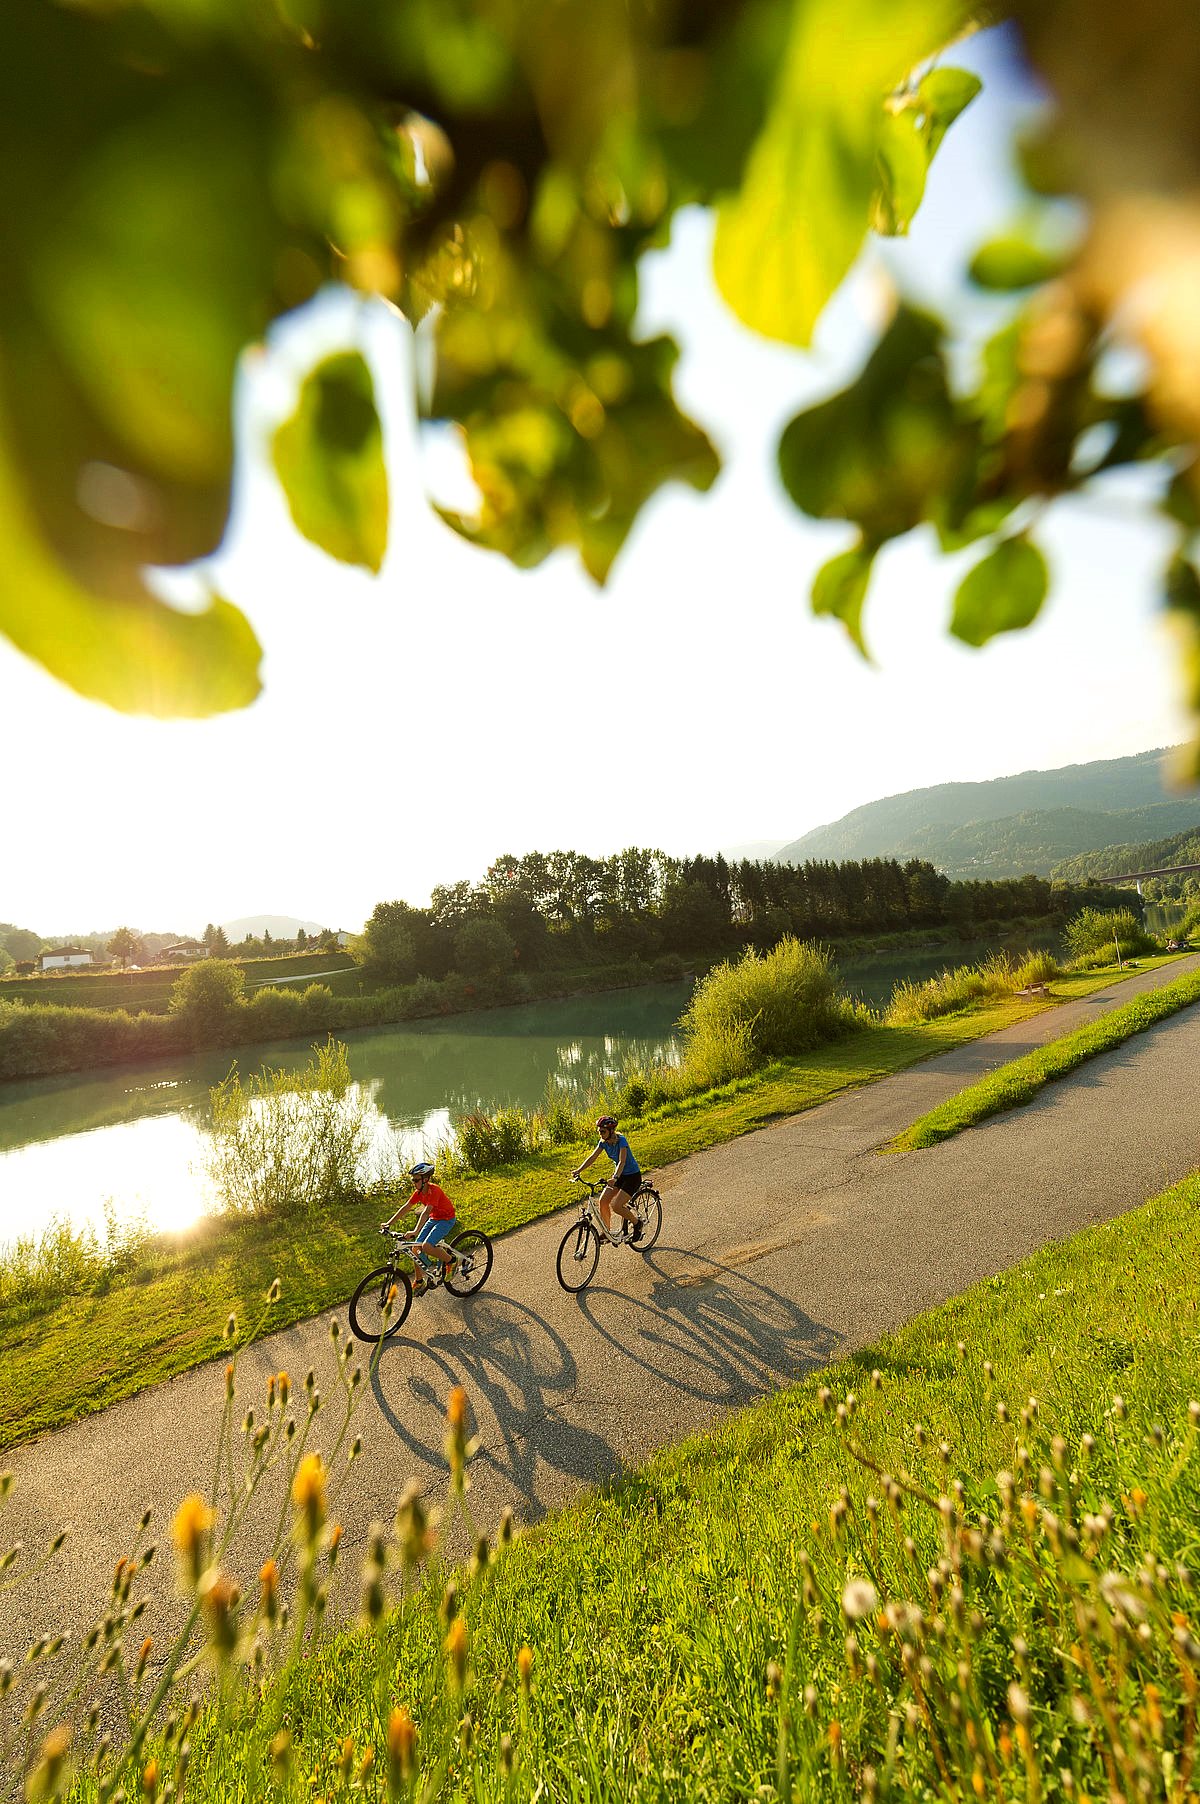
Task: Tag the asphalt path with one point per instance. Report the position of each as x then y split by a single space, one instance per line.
779 1252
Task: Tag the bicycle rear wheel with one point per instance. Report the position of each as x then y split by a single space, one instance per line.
473 1250
647 1206
578 1256
370 1315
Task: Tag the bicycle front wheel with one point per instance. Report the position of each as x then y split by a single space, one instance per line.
647 1206
380 1303
473 1250
578 1256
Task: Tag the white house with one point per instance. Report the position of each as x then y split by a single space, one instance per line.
183 952
63 958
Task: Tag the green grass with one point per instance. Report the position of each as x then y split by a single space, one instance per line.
167 1315
1019 1081
689 1629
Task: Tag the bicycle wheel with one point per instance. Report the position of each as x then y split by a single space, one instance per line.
474 1251
370 1316
647 1206
578 1256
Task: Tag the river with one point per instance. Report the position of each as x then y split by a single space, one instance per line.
134 1139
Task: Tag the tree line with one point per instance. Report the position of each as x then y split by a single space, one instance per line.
553 910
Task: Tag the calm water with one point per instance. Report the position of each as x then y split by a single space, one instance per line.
137 1137
873 977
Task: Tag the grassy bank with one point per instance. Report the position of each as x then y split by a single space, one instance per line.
766 1613
1019 1081
165 1312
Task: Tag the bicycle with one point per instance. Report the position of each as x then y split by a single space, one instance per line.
579 1250
382 1301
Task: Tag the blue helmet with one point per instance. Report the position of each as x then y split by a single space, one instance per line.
422 1170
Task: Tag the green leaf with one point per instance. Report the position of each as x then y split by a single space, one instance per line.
911 131
943 94
882 451
1004 592
786 240
329 458
840 588
134 653
1014 261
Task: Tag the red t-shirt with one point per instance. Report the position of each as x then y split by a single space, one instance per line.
435 1200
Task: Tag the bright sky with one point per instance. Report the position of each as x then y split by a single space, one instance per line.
414 727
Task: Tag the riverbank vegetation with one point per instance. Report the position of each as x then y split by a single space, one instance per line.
540 926
958 1562
1020 1081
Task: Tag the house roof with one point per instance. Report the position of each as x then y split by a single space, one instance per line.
67 952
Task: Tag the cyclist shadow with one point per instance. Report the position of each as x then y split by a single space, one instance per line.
518 1373
709 1331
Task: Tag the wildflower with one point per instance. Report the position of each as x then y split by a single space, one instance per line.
1118 1594
281 1753
143 1657
345 1764
220 1597
456 1652
412 1525
49 1774
401 1748
525 1669
150 1778
284 1384
1194 1413
835 1742
876 1379
1136 1502
1118 1408
466 1733
860 1599
308 1495
457 1450
1018 1704
231 1327
774 1680
334 1541
268 1585
506 1754
190 1531
1154 1715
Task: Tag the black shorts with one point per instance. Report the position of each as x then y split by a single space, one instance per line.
629 1181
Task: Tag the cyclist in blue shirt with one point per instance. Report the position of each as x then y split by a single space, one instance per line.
626 1177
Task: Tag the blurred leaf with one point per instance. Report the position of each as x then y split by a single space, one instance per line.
329 458
1003 592
840 588
1182 502
787 239
1014 261
883 450
911 131
134 653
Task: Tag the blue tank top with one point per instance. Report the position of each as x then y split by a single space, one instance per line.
615 1147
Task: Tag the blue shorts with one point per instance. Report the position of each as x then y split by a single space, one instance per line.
433 1231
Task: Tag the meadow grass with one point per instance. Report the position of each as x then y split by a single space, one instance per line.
1019 1081
960 1563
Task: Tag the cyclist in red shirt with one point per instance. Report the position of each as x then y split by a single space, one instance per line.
437 1220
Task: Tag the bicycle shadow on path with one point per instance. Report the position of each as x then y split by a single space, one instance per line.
706 1332
516 1371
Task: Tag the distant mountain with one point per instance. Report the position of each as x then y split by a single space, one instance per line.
755 850
1152 855
280 927
1010 825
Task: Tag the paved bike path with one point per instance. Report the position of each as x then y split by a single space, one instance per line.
779 1251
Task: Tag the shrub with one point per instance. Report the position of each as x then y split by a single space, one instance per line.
767 1005
1036 967
559 1123
952 990
668 968
207 996
288 1140
1096 931
273 1014
514 1135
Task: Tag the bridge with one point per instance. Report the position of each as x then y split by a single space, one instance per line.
1167 870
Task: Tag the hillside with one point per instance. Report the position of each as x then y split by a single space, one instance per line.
1150 855
1010 825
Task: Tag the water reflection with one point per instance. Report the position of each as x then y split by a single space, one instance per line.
137 1136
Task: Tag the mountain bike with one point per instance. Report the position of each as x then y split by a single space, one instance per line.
382 1301
579 1250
